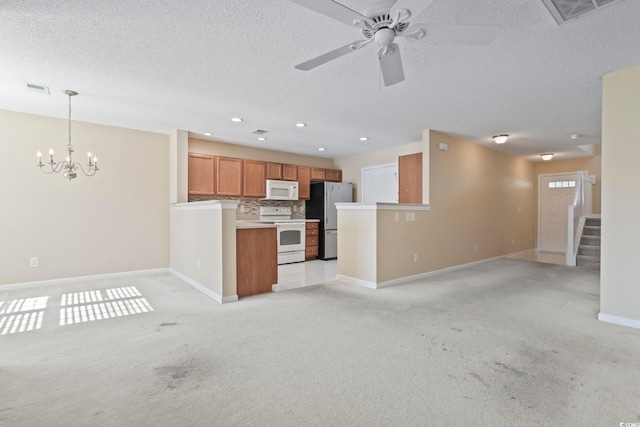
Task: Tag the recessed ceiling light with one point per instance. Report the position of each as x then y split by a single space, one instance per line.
364 138
320 149
237 119
301 125
574 136
207 134
262 138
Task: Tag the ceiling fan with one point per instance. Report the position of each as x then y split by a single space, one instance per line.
385 20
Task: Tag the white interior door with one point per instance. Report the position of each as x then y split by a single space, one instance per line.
555 194
380 184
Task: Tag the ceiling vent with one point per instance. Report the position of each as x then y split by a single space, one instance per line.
259 132
567 10
37 88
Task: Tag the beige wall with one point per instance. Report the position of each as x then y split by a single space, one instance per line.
351 166
481 207
357 255
620 269
203 245
244 152
115 221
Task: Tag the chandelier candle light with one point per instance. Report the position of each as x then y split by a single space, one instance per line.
68 167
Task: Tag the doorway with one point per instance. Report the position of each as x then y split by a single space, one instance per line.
555 193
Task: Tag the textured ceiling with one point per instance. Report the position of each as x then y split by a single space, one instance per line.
193 64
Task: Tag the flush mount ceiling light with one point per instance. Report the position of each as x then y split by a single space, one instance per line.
301 125
262 138
68 167
546 156
237 119
500 139
320 149
207 134
364 138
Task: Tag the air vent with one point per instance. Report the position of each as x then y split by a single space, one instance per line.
37 88
566 10
259 132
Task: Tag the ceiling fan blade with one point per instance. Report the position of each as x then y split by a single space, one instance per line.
391 65
469 34
329 56
413 6
333 10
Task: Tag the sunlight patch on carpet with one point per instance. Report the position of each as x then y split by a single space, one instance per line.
22 315
89 306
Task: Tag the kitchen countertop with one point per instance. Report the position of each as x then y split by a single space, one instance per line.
241 225
273 221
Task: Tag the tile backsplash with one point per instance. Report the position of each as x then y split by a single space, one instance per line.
251 207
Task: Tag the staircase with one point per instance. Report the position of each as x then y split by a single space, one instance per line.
589 248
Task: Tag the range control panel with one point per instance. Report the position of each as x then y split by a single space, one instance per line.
275 211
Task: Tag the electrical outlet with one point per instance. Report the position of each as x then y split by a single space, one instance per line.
33 261
415 257
242 208
519 208
475 247
410 216
198 263
513 241
397 216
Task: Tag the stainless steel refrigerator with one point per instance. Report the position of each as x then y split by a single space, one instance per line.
322 206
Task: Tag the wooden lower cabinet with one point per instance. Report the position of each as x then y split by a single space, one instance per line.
256 260
311 251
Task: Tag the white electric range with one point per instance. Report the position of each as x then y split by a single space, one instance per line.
291 233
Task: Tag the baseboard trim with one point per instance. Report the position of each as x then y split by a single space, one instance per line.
354 281
208 292
230 298
623 321
372 285
76 279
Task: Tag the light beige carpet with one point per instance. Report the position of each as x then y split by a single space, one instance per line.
502 343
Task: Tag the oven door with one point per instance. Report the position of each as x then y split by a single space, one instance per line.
291 236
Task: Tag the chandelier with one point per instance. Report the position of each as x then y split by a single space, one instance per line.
68 167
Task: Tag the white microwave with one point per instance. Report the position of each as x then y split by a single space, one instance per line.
282 190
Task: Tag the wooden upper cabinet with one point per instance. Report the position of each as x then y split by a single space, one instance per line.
410 178
317 174
290 172
201 170
228 176
333 175
304 182
254 177
274 171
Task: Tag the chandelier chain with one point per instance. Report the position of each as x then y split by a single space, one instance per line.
69 146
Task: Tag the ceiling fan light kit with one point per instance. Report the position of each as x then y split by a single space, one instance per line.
385 20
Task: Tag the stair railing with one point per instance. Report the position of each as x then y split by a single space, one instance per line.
575 221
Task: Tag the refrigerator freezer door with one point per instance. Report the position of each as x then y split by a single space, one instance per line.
330 244
335 192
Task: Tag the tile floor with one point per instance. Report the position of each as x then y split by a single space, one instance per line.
308 273
539 256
